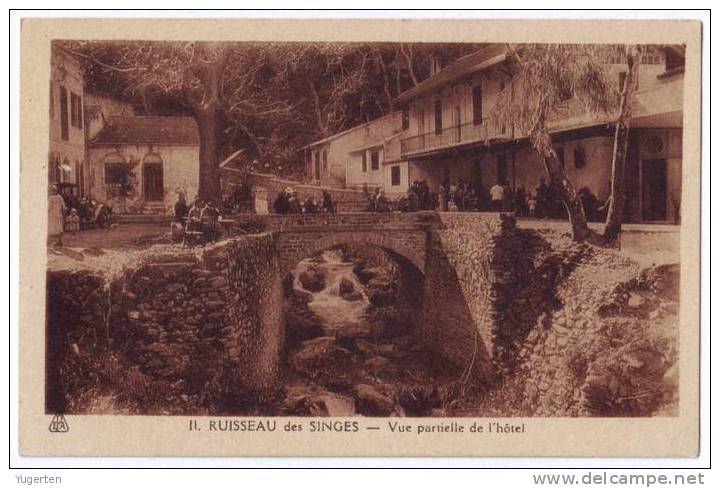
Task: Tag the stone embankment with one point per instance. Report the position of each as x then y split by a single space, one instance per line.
589 333
185 322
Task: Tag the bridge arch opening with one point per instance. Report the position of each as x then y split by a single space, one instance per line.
347 285
352 341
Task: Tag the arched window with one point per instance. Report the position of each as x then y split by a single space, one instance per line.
152 158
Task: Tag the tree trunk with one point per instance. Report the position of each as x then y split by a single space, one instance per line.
560 183
409 62
319 119
386 83
616 207
209 179
206 101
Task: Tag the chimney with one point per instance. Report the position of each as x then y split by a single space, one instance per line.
435 64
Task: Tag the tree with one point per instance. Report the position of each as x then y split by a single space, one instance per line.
217 85
269 98
544 78
616 205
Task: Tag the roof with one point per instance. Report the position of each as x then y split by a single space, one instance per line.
347 131
226 163
167 131
481 59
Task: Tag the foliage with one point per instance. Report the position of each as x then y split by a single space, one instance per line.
547 78
274 98
126 179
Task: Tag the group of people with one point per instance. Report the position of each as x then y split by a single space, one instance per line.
288 202
69 213
377 202
199 218
239 199
461 196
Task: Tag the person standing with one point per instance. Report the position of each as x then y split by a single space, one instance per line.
181 208
56 214
497 194
327 204
443 197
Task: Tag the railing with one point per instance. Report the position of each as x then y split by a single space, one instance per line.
454 135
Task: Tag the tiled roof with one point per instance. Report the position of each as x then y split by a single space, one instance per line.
165 131
477 61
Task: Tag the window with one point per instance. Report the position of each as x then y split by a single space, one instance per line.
64 114
54 171
502 169
560 151
395 176
79 117
458 124
52 102
80 178
317 165
73 110
325 163
364 162
405 118
114 173
438 117
477 105
579 157
375 160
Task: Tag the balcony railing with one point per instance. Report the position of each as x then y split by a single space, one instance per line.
452 136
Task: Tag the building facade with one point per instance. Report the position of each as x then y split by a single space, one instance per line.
357 157
66 153
139 164
447 133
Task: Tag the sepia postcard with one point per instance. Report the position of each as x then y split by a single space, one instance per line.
456 238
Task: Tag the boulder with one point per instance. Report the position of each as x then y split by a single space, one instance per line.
301 296
380 298
319 355
370 402
635 300
355 296
367 274
312 280
376 362
354 331
346 287
302 326
315 402
365 347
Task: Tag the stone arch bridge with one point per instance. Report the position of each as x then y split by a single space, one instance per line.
222 306
457 269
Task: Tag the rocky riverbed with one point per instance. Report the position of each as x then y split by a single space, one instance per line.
350 349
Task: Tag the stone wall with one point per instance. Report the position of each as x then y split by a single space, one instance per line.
188 318
466 277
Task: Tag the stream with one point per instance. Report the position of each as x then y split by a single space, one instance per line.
328 304
349 352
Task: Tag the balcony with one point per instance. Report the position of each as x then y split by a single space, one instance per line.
453 136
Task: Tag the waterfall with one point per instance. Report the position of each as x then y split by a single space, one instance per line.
328 304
